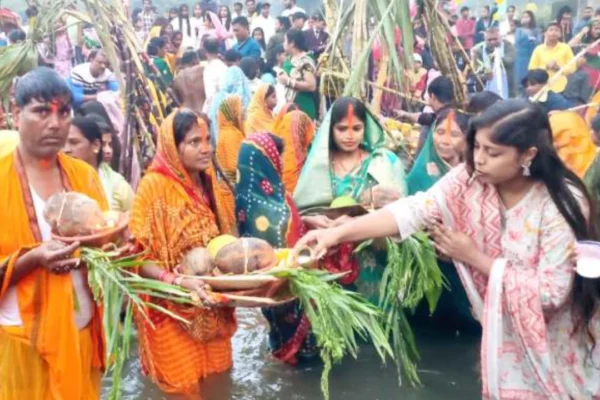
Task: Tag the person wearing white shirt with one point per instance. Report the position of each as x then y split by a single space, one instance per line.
291 8
505 24
265 21
213 71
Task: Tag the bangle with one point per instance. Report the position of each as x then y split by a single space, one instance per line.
178 281
162 275
167 277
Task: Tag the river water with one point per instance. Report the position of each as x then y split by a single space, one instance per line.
448 370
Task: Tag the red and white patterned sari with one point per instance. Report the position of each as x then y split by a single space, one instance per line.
528 349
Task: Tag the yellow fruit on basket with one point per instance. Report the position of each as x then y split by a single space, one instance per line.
218 243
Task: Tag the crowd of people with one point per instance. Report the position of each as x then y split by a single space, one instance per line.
506 188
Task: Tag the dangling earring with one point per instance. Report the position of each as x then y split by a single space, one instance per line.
526 170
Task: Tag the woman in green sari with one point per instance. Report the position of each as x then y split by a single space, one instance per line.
348 158
299 74
442 151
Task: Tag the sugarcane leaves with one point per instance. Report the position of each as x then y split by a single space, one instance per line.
337 317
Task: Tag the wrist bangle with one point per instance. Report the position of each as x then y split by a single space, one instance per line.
162 275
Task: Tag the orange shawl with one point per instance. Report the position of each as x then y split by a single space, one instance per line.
297 131
260 117
573 141
171 216
46 300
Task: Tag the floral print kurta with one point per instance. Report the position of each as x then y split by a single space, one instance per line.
528 350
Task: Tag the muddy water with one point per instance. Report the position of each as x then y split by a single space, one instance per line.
448 371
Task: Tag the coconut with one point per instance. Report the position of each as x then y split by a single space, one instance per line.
245 255
196 262
218 243
73 214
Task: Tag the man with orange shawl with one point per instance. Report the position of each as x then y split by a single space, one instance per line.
51 337
231 135
297 131
178 208
260 110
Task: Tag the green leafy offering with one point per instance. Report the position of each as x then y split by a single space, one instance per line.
337 316
115 285
412 273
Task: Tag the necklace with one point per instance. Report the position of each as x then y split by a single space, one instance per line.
344 169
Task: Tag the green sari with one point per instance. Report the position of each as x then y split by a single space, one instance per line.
453 307
318 186
428 167
592 181
304 100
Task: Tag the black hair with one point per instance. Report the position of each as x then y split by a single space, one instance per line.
339 111
511 7
465 8
188 58
270 91
533 23
211 45
227 23
185 119
460 119
285 22
135 14
481 101
562 11
241 21
254 1
95 108
552 24
173 10
161 21
17 35
232 56
486 7
42 84
238 3
596 123
443 89
299 15
250 67
297 37
261 42
90 130
523 125
31 11
272 58
318 17
279 145
187 19
155 45
536 76
95 53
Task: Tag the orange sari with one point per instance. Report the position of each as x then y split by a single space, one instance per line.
46 357
573 141
231 136
260 117
297 131
171 216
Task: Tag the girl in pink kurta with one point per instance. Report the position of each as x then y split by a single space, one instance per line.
509 218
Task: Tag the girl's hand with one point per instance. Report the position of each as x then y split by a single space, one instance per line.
56 256
455 245
319 240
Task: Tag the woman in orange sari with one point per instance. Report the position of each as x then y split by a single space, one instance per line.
176 209
287 108
297 131
231 136
260 110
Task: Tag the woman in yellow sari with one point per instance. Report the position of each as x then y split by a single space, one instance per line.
260 110
231 136
176 209
297 131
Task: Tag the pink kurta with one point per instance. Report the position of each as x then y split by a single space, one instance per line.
524 306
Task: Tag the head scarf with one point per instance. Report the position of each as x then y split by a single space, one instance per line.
235 82
263 207
297 131
281 114
573 141
167 162
260 117
314 188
